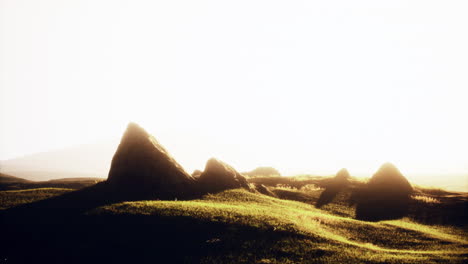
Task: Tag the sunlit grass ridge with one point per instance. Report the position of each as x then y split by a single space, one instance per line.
241 207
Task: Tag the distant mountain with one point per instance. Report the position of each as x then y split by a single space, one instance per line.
5 179
90 160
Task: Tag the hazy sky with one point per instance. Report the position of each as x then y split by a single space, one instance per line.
304 86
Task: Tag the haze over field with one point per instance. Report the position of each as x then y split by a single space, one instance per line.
93 160
303 87
150 210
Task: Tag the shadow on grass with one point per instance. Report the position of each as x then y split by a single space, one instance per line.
57 227
140 239
76 202
60 230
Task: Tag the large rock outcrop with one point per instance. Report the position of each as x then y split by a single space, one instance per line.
385 196
144 167
334 187
388 179
219 176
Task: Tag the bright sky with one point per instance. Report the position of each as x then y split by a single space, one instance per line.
304 86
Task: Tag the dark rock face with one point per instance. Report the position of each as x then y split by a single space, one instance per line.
219 176
142 165
386 195
389 179
335 186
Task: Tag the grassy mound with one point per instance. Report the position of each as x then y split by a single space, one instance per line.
234 226
312 230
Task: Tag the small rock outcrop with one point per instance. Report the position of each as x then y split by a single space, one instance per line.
219 176
334 187
385 196
263 171
196 173
144 167
263 190
342 177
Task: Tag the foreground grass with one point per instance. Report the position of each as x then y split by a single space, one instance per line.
17 197
315 234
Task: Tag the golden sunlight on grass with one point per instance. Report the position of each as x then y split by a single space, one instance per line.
426 199
381 239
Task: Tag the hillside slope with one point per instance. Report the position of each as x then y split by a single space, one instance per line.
340 238
88 160
7 179
234 226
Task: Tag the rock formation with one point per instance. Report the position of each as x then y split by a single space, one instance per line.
196 173
342 177
144 167
219 176
388 179
385 196
333 187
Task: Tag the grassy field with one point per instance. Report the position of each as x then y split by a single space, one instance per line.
234 226
339 238
16 197
8 182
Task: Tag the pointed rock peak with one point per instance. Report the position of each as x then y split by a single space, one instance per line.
132 126
389 177
219 176
388 170
342 174
387 166
143 164
134 132
386 196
